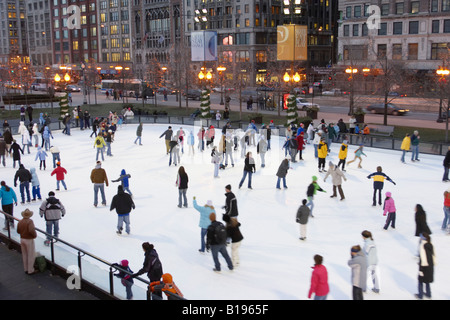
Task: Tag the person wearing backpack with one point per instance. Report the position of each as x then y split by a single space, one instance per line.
216 239
99 143
52 210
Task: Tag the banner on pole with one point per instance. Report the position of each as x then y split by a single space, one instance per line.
292 42
204 46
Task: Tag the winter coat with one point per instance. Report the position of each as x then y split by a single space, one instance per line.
293 144
336 176
47 133
312 189
319 281
101 142
60 172
122 202
262 145
2 147
98 175
234 232
426 262
231 208
139 130
302 214
421 224
16 150
182 181
205 211
26 229
167 134
370 251
300 142
22 128
191 139
358 264
41 154
446 162
322 150
7 136
152 266
123 178
406 143
389 204
52 209
283 169
22 174
249 164
343 151
34 177
415 140
8 195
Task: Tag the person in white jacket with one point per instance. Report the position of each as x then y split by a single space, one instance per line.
36 134
336 178
370 251
316 140
310 133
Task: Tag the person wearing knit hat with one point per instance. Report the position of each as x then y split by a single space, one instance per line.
230 206
27 232
204 221
336 178
126 278
59 172
389 208
8 199
310 192
358 265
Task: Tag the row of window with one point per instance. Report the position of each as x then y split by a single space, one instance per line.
397 28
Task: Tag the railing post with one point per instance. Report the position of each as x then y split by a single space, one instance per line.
111 282
79 267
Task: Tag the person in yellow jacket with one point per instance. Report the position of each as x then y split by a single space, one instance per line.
343 154
322 152
100 144
406 145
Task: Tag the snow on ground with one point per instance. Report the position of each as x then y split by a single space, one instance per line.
275 264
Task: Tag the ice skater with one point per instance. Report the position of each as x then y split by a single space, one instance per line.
378 182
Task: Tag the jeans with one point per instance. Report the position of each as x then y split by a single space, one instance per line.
63 183
249 178
403 156
390 220
427 290
55 158
127 189
47 143
108 149
316 153
182 193
52 225
25 188
216 169
215 249
446 217
284 182
36 192
203 233
445 177
310 204
320 297
415 153
100 150
97 187
138 138
123 218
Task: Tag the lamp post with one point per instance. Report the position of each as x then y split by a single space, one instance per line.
83 69
351 72
442 72
221 69
290 80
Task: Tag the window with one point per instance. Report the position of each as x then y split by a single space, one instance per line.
445 5
435 26
357 11
355 30
383 29
413 27
115 43
346 30
261 56
365 30
397 51
381 52
413 51
385 9
446 26
439 51
415 6
399 8
434 5
398 26
113 29
348 12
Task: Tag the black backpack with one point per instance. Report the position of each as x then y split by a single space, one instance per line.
220 233
98 142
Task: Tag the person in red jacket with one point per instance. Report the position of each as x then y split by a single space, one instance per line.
60 172
300 144
319 280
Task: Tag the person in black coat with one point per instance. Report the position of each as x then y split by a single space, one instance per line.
249 168
282 172
152 265
24 177
123 203
231 208
426 266
446 165
16 150
421 221
235 234
182 184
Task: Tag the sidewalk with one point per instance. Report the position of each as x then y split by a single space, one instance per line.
16 285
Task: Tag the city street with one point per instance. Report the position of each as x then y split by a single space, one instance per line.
331 108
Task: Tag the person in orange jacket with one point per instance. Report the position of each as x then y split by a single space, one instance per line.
60 172
166 285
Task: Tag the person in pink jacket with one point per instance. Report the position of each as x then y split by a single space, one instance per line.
319 280
389 208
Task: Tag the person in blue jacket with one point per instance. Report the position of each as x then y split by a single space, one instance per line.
204 221
8 197
124 179
378 182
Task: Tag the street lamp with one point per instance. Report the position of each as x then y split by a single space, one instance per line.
443 73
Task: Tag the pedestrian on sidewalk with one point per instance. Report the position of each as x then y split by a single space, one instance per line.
27 232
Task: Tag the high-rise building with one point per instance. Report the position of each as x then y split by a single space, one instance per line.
13 34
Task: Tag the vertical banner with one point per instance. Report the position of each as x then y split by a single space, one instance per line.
204 46
292 42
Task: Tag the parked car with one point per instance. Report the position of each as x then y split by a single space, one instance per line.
169 91
304 104
396 94
332 92
73 88
194 94
391 109
222 89
254 93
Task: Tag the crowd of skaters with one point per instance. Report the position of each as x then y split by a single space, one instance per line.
245 139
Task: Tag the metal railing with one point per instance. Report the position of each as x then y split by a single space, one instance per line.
90 277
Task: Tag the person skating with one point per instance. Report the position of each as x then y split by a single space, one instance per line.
52 210
182 185
319 280
322 152
167 138
55 155
446 164
343 150
282 172
389 208
16 151
204 221
27 232
235 234
415 140
2 150
41 155
261 149
152 265
99 179
216 238
168 286
231 207
302 216
311 192
249 169
139 134
24 177
124 275
35 185
426 266
370 250
124 180
9 198
123 203
336 179
378 182
100 144
358 153
406 144
358 265
60 173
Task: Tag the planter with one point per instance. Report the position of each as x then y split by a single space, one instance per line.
312 114
359 118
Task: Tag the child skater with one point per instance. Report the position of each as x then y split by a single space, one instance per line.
358 153
389 208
